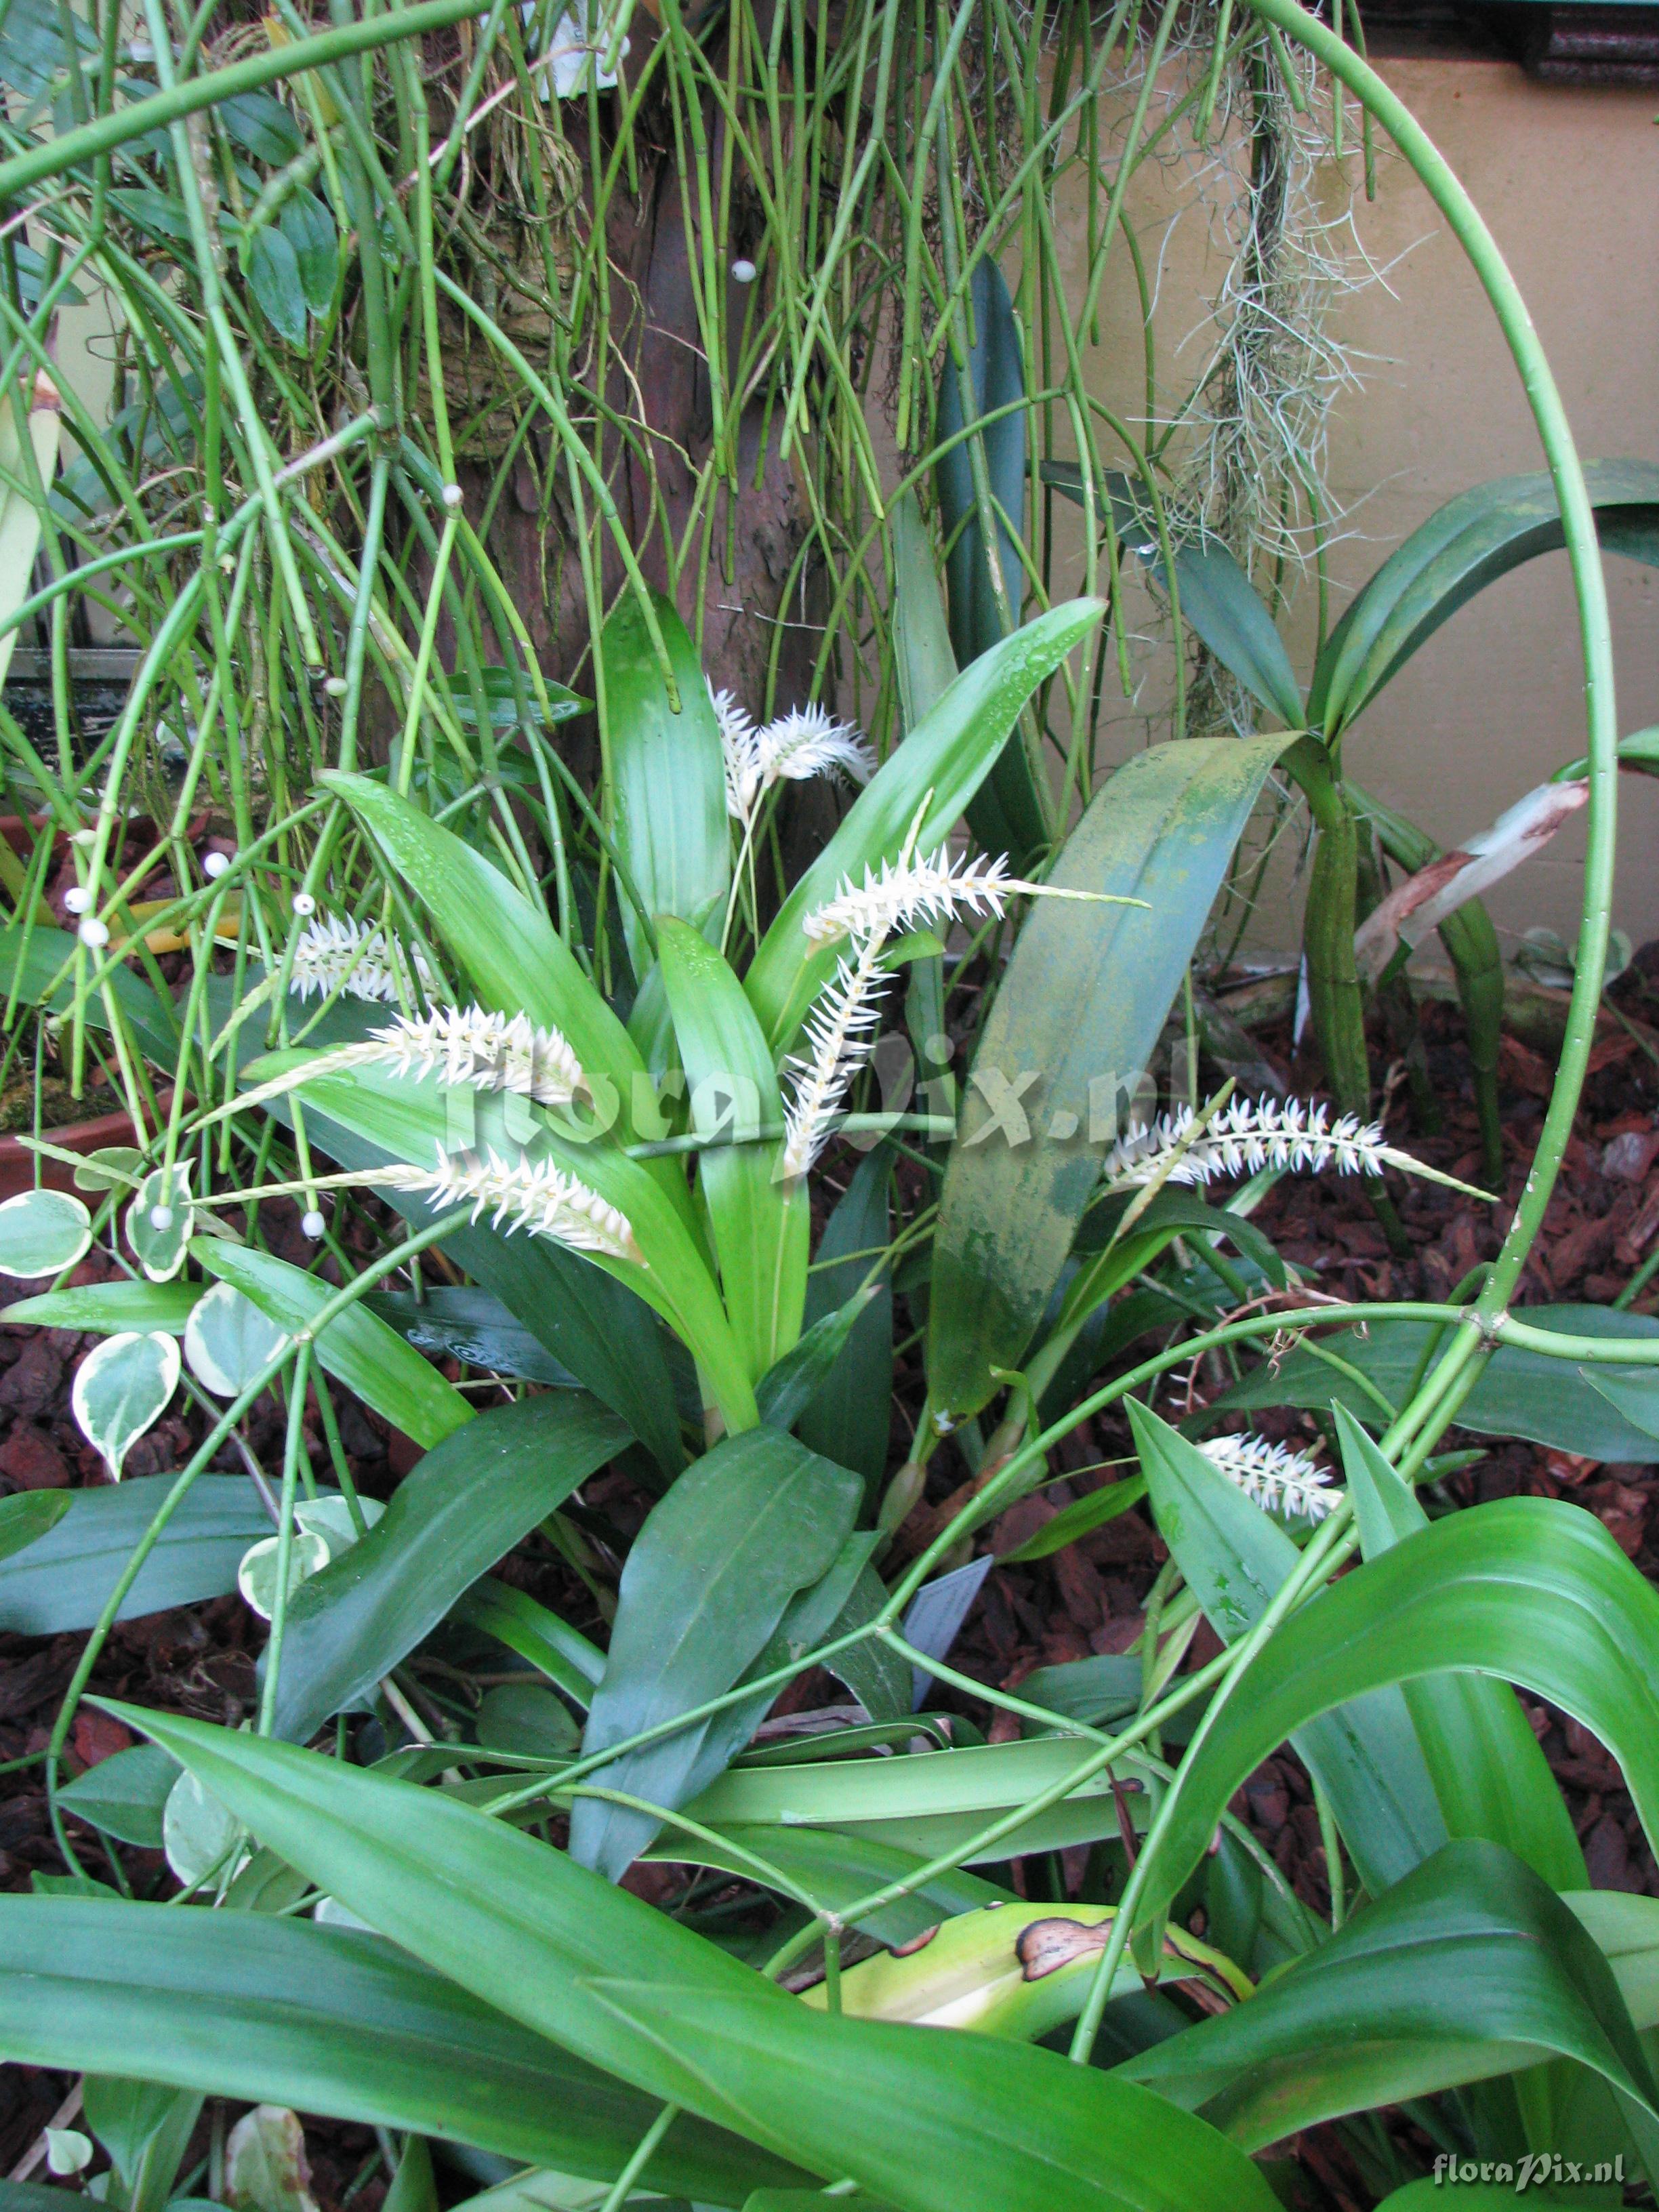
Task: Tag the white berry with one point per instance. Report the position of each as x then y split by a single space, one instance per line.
453 495
78 900
216 865
313 1225
335 687
304 904
743 272
93 932
161 1216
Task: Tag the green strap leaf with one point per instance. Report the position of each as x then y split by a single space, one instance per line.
108 1309
706 1581
466 1503
1527 1588
948 755
1218 601
1365 1756
1488 1769
849 1419
520 1925
932 1805
1470 1968
278 2011
65 1578
357 1347
666 777
1008 814
1083 1004
1463 547
761 1227
930 2121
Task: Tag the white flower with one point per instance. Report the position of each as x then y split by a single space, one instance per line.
489 1051
1249 1134
841 1030
334 951
1246 1136
1273 1475
910 893
542 1199
806 742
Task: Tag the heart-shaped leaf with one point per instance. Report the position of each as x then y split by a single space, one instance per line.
258 1577
159 1219
42 1232
228 1341
121 1388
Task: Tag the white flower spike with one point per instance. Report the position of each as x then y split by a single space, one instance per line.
840 1029
542 1199
488 1051
1249 1134
1273 1475
908 893
334 951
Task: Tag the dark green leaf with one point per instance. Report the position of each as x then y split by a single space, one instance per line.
1489 1772
520 1925
466 1502
850 1419
1082 1005
1519 1392
706 1583
785 1391
1468 1968
65 1578
1235 1558
1463 547
125 1795
1218 601
1527 1588
513 706
1008 814
27 1516
524 1717
260 123
931 2121
273 276
465 1323
309 228
277 2011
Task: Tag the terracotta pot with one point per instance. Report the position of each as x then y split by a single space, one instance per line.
17 1161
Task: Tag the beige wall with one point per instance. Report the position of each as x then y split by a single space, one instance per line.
1569 182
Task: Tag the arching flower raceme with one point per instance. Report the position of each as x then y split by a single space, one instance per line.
1249 1134
1273 1475
840 1031
462 1045
910 894
335 952
543 1199
484 1050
